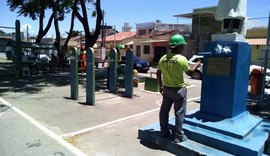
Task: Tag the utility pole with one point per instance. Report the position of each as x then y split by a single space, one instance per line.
80 41
265 64
103 36
114 37
27 35
102 30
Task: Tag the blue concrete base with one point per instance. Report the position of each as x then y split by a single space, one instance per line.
237 127
217 143
151 133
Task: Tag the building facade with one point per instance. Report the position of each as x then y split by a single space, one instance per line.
152 39
111 41
257 39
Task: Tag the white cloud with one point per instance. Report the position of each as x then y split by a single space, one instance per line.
24 27
30 29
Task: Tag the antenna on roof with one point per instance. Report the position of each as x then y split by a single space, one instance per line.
178 31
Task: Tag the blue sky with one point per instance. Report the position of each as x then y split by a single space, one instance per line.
139 11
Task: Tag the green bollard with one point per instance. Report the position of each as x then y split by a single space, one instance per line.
112 71
74 74
90 77
129 74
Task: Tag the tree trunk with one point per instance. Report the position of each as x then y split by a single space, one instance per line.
65 47
55 7
90 40
41 32
98 24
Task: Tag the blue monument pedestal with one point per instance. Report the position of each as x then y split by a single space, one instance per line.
223 99
225 79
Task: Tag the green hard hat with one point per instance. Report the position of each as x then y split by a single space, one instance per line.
120 47
177 40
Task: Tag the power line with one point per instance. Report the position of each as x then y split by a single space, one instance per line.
257 18
7 27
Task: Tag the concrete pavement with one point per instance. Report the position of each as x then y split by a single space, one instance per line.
38 118
22 135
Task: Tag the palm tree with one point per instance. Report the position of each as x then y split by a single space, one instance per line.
35 9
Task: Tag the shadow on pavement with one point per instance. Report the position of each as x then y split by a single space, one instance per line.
262 110
35 83
7 68
32 84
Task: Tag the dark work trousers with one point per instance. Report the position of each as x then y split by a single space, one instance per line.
178 97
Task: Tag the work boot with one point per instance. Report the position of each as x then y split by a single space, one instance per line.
177 140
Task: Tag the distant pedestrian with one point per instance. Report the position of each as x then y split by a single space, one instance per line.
10 53
171 67
66 62
54 62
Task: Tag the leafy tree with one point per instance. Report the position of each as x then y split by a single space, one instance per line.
78 7
74 33
158 21
34 9
90 38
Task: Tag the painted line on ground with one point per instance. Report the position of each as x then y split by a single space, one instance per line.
86 130
151 92
193 99
50 133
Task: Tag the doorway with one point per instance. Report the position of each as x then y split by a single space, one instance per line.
159 52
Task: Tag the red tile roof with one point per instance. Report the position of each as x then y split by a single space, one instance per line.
256 41
119 36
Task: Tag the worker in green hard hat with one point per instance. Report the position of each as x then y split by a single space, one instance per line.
118 54
170 71
177 40
118 49
121 67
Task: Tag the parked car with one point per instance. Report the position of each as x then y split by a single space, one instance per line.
139 64
44 58
192 61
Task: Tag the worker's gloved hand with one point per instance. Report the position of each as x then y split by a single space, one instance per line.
198 63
